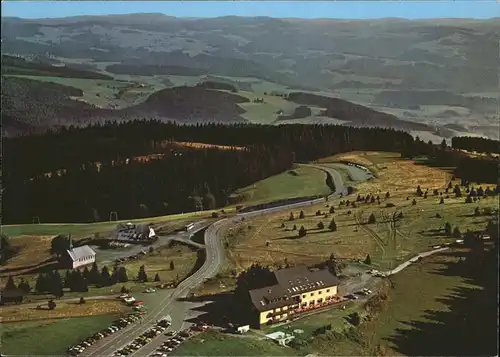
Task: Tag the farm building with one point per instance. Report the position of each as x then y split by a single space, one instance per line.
131 231
297 290
78 257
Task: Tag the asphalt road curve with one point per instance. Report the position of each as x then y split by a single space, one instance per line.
214 258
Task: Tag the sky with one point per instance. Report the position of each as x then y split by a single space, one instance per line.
285 9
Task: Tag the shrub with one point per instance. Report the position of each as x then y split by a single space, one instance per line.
320 225
302 232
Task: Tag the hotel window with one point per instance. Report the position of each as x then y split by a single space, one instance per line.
303 296
320 292
311 303
312 294
327 290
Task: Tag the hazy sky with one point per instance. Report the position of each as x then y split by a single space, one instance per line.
298 9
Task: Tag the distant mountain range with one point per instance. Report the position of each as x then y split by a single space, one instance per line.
436 76
456 55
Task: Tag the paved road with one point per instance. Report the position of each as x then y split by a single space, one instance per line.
214 258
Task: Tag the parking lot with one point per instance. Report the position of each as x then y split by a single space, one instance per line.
117 325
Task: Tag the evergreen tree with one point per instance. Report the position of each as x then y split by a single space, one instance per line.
105 276
291 217
59 244
86 273
41 285
320 225
172 266
371 219
456 233
10 285
368 260
122 275
477 212
441 201
142 277
447 229
95 276
332 209
67 279
302 231
301 214
332 226
56 284
157 277
24 286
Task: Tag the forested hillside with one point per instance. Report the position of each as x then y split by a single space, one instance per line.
94 176
83 174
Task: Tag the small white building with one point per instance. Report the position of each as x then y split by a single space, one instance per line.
79 257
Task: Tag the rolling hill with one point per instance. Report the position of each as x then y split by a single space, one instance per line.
438 74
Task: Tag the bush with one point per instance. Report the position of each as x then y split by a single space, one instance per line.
302 232
302 215
320 225
388 205
332 209
215 215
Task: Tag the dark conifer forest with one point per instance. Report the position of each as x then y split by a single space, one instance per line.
476 144
83 174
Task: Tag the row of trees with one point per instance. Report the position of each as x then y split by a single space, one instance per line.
476 144
79 280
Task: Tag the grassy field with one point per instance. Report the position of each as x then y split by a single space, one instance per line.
49 337
87 229
20 313
218 344
112 94
183 258
266 112
271 238
299 182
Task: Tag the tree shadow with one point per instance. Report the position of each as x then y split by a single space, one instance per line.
28 268
219 310
469 327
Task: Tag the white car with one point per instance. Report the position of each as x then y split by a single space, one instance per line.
129 300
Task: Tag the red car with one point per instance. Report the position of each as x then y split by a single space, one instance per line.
138 303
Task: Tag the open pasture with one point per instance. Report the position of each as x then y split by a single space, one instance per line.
420 226
64 309
301 181
24 338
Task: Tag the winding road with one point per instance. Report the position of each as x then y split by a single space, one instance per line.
215 255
